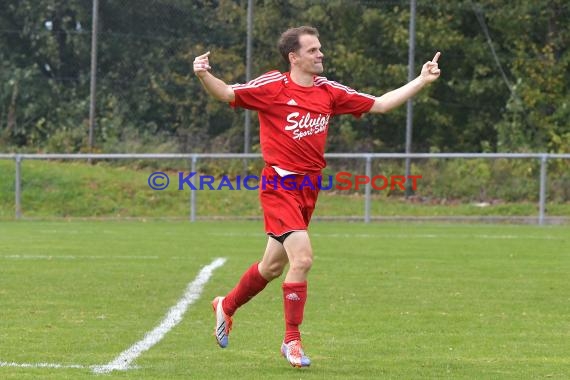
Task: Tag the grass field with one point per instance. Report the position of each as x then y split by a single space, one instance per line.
393 301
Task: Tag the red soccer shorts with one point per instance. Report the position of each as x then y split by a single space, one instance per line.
287 202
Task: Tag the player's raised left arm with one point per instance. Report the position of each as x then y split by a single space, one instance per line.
390 100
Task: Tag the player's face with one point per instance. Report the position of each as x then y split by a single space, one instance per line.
309 57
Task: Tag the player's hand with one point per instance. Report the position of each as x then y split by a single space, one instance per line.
430 69
201 64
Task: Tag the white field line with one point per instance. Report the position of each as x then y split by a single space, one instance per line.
404 236
48 365
441 236
172 318
40 365
74 257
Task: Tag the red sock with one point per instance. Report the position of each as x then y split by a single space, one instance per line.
294 298
248 286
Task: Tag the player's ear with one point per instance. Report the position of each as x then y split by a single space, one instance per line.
292 57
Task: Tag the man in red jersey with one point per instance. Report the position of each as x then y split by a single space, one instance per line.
294 109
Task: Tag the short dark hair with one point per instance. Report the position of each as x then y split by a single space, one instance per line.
289 40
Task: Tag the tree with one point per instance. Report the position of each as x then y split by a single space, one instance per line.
513 97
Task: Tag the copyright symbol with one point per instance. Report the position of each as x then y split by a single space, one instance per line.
158 181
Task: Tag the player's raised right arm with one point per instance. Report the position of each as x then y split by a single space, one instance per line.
216 87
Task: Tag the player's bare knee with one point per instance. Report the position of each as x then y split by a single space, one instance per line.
271 270
302 263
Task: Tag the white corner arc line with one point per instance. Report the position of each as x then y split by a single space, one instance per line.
171 319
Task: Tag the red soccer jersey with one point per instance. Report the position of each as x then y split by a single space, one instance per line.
294 120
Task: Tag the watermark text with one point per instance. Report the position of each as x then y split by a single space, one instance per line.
342 181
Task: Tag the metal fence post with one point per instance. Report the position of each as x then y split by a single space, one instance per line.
93 77
193 192
367 190
542 196
18 185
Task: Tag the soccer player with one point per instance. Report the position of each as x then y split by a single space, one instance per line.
294 109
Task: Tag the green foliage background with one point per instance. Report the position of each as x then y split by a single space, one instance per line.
148 100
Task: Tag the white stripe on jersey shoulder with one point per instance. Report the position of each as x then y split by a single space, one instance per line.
323 81
270 77
320 81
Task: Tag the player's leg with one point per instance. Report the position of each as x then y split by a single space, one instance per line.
250 284
257 276
274 260
287 214
300 254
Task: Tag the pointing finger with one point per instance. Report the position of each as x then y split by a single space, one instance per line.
205 55
435 58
